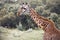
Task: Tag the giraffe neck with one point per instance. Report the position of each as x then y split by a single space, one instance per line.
47 24
35 16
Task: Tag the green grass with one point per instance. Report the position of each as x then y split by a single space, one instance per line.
14 34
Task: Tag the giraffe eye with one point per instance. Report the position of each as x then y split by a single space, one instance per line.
34 17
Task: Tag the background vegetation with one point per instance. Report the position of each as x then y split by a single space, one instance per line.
8 18
47 8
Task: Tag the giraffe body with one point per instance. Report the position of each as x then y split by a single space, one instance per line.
50 31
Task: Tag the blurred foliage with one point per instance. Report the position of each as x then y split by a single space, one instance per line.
47 8
56 9
58 23
54 16
3 12
35 3
53 2
39 9
46 13
26 22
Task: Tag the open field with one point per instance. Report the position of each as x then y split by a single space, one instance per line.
14 34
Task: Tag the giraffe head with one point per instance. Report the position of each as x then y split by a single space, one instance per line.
23 11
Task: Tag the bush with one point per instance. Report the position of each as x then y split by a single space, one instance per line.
35 3
46 13
26 22
54 17
39 9
53 2
58 23
48 6
3 12
8 20
19 26
56 9
53 6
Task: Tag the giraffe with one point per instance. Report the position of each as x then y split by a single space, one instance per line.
23 16
47 25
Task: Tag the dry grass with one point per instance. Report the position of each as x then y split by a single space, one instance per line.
14 34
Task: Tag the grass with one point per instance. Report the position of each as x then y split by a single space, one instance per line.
15 34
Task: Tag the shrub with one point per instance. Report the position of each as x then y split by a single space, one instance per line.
54 16
8 20
35 3
39 9
19 26
26 22
53 2
56 9
58 23
46 13
3 12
